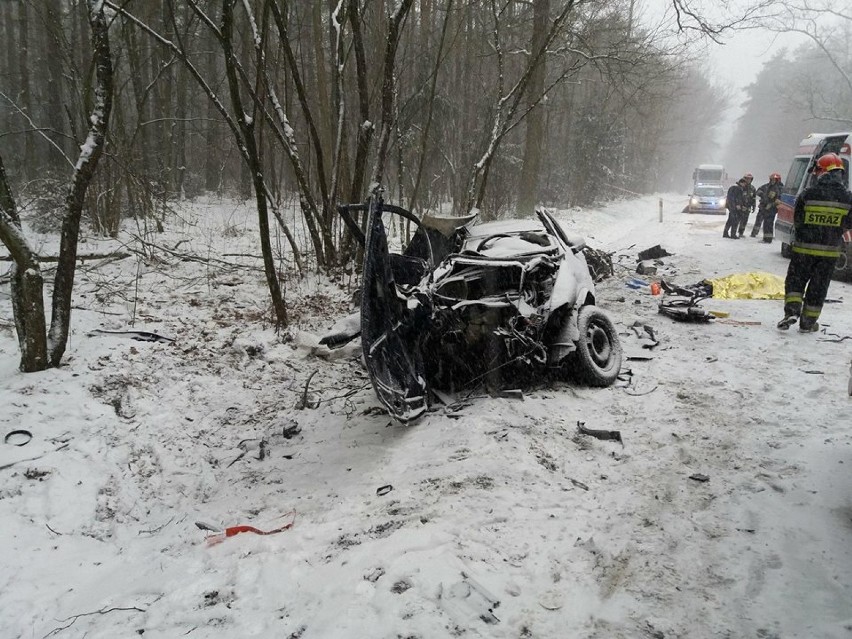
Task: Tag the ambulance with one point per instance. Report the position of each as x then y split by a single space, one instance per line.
799 177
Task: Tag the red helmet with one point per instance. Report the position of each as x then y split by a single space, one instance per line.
829 162
775 176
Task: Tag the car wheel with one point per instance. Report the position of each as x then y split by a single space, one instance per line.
843 266
597 360
786 250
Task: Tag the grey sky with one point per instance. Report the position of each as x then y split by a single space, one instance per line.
734 64
737 63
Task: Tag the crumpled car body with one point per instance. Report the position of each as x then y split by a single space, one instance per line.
474 304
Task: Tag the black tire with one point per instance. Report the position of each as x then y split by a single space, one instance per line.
843 266
786 250
597 360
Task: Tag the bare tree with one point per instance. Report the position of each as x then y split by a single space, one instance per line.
54 97
535 139
392 35
26 283
26 85
40 348
247 128
424 150
829 30
691 17
508 102
365 128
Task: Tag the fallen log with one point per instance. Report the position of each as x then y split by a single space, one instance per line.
139 336
116 255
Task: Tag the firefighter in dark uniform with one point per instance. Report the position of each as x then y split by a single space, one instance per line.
749 202
768 207
820 218
735 203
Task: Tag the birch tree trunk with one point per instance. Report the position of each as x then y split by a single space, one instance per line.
27 284
90 154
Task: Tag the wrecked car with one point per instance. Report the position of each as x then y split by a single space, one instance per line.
468 304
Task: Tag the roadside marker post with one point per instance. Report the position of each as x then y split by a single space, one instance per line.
661 210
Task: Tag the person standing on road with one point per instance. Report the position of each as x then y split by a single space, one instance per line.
820 218
749 203
768 194
734 202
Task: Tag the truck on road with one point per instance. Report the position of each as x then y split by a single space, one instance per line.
709 174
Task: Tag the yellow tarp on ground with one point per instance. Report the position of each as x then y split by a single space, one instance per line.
748 286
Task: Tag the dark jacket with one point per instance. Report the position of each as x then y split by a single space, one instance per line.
821 216
734 199
769 194
749 197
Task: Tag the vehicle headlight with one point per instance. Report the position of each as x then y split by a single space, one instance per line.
694 201
722 202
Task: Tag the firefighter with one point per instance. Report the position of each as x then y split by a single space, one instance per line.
749 202
768 194
820 218
735 203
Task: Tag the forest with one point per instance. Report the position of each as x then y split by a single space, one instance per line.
495 104
112 111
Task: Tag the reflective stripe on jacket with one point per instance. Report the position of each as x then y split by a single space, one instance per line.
749 197
821 216
768 194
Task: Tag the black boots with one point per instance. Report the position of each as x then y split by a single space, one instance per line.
787 322
808 325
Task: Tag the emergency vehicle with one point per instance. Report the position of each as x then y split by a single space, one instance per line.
799 177
708 174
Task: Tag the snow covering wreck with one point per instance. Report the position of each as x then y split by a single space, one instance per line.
471 304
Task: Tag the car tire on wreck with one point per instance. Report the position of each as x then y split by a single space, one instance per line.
843 266
597 360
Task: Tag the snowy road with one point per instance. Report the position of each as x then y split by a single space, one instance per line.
765 413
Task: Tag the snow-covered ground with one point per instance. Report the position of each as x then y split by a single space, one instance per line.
496 520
